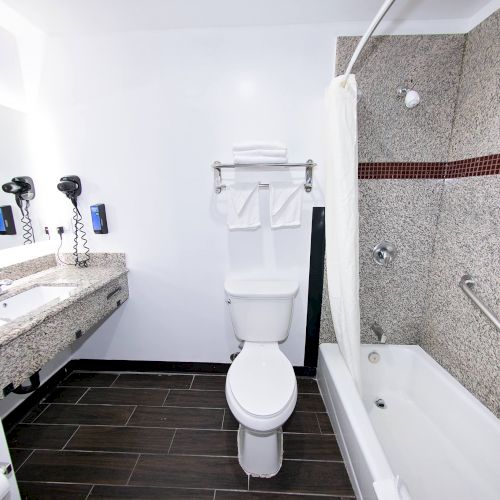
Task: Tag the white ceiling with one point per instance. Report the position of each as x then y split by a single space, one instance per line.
99 16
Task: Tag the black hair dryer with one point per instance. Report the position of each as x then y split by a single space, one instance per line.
23 188
71 186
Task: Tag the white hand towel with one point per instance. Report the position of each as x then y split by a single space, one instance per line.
285 204
249 146
243 206
251 159
262 152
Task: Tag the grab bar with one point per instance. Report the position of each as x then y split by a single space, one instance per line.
465 284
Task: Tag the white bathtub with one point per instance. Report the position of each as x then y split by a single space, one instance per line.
434 435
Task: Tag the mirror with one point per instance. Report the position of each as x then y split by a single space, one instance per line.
18 201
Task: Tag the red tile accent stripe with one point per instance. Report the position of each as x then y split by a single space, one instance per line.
482 165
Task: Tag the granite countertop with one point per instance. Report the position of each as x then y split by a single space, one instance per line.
85 280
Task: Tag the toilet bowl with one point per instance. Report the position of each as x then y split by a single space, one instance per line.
261 388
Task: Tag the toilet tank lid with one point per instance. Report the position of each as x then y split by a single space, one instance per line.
261 288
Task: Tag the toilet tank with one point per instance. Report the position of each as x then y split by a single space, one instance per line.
261 311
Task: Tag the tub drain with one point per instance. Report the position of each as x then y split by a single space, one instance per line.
380 403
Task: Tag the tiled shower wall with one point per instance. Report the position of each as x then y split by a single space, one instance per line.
441 228
455 332
403 212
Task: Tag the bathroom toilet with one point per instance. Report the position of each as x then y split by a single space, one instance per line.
261 388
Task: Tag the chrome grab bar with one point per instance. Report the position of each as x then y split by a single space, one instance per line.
465 284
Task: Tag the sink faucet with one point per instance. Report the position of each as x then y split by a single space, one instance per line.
4 284
377 329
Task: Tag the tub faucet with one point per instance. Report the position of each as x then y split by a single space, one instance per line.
377 329
4 284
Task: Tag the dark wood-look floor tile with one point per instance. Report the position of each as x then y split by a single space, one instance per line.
302 421
197 399
209 382
85 414
52 437
255 495
230 422
121 439
182 471
68 395
311 447
78 467
18 457
34 413
148 493
296 476
119 396
153 381
196 418
90 379
53 491
324 423
307 385
195 442
310 402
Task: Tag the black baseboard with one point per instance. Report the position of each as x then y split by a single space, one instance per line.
20 411
126 365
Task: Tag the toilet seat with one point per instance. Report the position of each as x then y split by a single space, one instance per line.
261 387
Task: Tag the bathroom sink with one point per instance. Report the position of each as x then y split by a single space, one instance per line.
25 302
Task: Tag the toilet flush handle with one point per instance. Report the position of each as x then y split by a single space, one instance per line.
228 301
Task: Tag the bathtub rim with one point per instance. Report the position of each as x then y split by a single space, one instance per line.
376 460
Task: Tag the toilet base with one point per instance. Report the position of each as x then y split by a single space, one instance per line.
260 453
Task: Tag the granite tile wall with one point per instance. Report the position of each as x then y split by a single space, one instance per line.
388 131
476 128
455 332
401 211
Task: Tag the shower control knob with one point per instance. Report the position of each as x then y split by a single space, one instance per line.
383 253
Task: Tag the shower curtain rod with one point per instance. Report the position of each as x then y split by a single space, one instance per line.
376 20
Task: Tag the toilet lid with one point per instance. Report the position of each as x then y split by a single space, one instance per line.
262 379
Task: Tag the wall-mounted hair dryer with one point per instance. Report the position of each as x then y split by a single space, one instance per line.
23 188
71 186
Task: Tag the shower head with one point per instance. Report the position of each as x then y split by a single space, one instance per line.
412 97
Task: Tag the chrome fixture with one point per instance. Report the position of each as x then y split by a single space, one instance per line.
218 166
466 284
384 253
377 329
411 97
4 284
5 469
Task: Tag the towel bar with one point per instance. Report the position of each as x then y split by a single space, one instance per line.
465 284
218 166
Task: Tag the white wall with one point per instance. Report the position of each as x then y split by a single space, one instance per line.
140 117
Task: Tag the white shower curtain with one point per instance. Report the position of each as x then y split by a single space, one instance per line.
341 218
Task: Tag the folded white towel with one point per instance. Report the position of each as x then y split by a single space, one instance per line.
248 159
249 146
285 204
262 152
243 206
